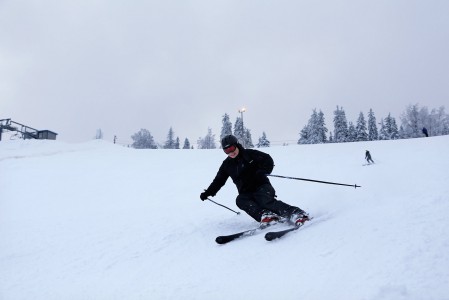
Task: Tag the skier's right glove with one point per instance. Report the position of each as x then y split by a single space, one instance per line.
204 195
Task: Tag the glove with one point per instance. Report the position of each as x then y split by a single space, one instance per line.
204 195
261 173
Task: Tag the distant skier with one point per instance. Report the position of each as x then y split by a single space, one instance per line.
424 130
248 169
368 157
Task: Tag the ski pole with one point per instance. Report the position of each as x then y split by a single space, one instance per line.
223 206
319 181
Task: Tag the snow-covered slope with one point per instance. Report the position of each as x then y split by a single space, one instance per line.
99 221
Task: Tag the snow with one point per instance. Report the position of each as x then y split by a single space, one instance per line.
99 221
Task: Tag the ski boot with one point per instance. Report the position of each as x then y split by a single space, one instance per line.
268 218
298 217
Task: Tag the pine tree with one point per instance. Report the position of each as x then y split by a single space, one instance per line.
373 134
143 140
321 128
186 144
248 141
394 132
360 128
263 141
340 126
315 130
352 133
226 129
402 134
239 131
391 129
304 135
383 135
208 142
170 143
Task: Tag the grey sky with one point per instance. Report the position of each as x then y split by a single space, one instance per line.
76 66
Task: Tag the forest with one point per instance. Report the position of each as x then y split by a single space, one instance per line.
414 122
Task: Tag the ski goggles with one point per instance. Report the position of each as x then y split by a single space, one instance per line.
229 149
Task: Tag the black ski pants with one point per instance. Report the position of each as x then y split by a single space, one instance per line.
262 199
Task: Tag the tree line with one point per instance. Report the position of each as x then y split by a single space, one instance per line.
413 122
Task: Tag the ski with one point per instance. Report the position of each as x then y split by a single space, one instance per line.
269 236
224 239
272 235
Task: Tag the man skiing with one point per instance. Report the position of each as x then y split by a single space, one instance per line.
424 131
248 169
368 157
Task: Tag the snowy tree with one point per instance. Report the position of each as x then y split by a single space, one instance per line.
321 130
99 134
170 143
248 141
315 131
361 129
383 135
208 142
442 122
177 143
352 133
373 134
143 140
263 141
391 129
242 134
402 134
445 128
317 128
239 130
308 133
410 122
439 122
436 122
226 129
340 126
414 119
186 144
304 135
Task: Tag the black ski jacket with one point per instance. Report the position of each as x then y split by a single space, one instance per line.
367 155
248 171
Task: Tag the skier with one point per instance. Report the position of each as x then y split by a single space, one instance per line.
368 157
248 169
424 130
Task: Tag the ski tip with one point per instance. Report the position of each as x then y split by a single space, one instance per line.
220 240
223 240
270 236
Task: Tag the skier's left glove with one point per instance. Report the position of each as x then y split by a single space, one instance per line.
204 195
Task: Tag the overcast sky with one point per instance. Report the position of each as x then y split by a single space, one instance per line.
75 66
